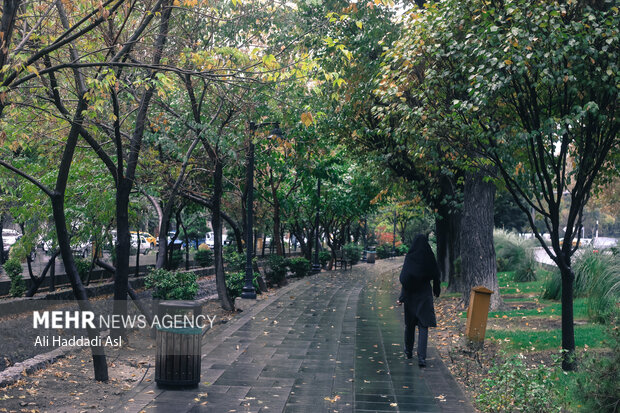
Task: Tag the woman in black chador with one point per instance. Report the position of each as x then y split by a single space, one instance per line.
419 269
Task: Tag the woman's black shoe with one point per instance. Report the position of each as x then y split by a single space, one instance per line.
422 363
408 355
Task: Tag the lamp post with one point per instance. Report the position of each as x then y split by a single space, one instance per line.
394 237
248 290
316 265
365 241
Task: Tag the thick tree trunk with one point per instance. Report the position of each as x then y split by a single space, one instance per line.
216 224
478 265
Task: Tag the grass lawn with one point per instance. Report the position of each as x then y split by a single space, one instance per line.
592 335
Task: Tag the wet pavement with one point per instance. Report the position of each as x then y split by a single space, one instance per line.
327 343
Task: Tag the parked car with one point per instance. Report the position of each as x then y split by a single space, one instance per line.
145 245
9 237
177 242
210 239
81 249
151 240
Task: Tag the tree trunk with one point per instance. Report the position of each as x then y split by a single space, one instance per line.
568 329
277 238
448 234
100 365
123 245
478 265
2 260
216 224
162 250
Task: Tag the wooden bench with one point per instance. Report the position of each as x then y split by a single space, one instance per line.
341 260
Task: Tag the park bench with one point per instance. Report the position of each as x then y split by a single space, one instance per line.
341 260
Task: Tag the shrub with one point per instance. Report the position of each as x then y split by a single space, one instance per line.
324 258
598 384
402 249
352 252
235 261
171 285
515 387
276 269
204 258
235 282
175 260
13 268
83 267
300 267
384 251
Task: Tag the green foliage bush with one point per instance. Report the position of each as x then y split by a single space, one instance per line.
276 269
352 252
172 285
13 268
235 261
235 282
83 267
204 258
402 249
324 258
384 251
300 267
514 387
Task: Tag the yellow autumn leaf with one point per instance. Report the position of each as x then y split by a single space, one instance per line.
307 119
508 61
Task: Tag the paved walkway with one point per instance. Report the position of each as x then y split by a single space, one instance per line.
328 343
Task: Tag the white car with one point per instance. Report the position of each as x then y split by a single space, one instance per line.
9 237
145 246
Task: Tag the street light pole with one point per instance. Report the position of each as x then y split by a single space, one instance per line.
248 289
316 265
394 237
364 257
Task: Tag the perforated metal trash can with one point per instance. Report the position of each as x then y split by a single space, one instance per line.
177 360
370 256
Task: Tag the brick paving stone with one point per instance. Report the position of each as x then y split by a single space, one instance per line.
327 343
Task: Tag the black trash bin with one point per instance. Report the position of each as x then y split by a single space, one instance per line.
177 360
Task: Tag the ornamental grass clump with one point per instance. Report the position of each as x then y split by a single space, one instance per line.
515 254
597 277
